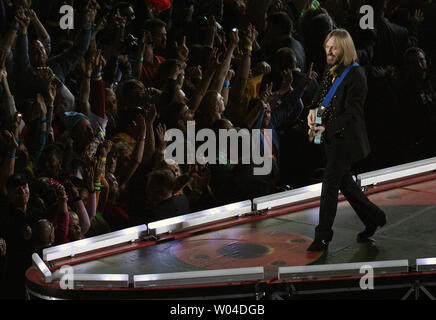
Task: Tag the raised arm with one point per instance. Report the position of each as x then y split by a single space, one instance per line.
241 77
8 166
98 97
41 32
218 82
22 60
62 217
203 86
8 107
137 154
145 55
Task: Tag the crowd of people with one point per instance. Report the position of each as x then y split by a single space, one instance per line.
84 110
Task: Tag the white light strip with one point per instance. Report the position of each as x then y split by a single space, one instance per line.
100 280
42 267
93 243
342 270
198 277
426 264
397 172
287 197
198 218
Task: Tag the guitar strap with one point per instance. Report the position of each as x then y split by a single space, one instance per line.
336 84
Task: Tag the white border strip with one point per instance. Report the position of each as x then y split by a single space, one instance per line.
100 280
426 264
42 267
287 197
201 217
397 172
93 243
341 270
198 277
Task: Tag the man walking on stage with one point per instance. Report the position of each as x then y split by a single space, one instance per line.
340 107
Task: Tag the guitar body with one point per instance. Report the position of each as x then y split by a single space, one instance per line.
318 121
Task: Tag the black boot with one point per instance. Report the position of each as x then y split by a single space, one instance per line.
369 231
318 245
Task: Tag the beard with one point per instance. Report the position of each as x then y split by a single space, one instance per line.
333 60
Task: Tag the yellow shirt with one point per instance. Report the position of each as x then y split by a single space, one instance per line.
332 71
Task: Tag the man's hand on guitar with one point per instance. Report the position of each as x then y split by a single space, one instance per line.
311 118
316 130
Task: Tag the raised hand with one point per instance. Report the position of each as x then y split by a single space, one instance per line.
140 122
101 23
234 38
99 63
310 75
214 59
182 50
150 114
417 17
45 73
262 67
249 35
230 74
160 131
11 142
59 189
267 92
119 21
72 189
32 15
91 10
22 17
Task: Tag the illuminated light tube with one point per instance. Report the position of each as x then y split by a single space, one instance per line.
100 280
342 270
93 243
198 277
426 264
198 218
287 197
39 264
397 172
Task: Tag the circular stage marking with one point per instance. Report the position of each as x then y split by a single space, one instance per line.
243 248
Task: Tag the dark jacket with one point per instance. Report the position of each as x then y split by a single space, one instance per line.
345 133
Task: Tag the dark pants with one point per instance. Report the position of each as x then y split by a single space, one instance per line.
337 176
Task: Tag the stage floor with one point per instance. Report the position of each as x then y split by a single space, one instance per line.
276 239
281 240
